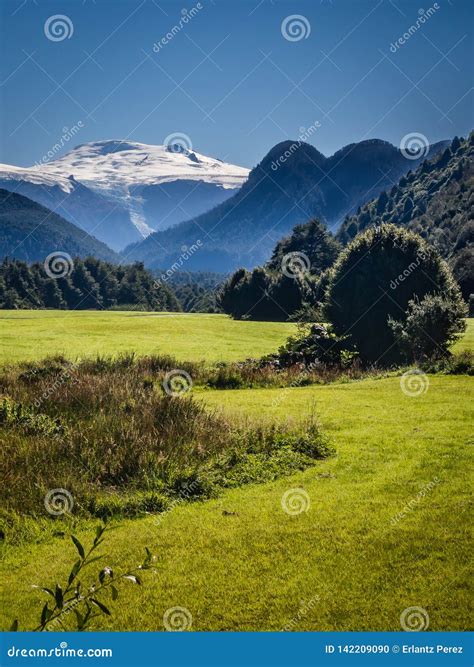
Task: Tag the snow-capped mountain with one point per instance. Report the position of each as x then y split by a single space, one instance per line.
121 191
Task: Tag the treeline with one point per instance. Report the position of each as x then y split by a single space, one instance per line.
82 284
291 282
196 291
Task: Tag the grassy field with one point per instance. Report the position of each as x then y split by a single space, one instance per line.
349 562
34 334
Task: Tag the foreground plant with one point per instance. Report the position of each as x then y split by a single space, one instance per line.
86 602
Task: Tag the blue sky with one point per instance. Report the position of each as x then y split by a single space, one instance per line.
228 78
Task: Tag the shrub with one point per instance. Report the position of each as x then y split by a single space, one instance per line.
374 280
429 328
315 343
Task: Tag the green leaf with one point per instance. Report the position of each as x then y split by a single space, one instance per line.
46 590
133 578
98 533
80 619
101 606
14 626
114 592
45 614
58 596
79 546
74 571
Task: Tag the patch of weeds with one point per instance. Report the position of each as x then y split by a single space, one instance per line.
14 414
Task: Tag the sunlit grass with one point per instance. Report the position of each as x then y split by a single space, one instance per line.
34 334
255 566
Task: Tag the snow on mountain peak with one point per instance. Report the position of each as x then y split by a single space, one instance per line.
128 174
105 165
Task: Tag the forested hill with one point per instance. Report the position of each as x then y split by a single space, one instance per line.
30 232
292 184
435 201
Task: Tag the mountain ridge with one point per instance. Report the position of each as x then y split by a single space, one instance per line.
293 183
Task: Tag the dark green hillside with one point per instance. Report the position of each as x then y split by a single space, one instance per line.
292 184
437 202
30 232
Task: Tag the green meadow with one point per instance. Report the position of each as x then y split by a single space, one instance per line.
386 523
34 334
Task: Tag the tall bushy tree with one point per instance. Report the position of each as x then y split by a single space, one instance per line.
267 293
314 240
373 282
